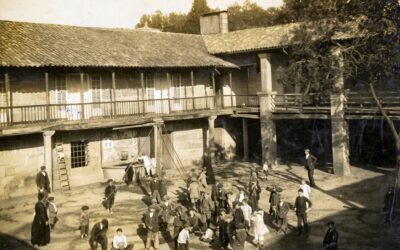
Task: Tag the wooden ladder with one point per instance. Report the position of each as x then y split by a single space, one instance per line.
62 168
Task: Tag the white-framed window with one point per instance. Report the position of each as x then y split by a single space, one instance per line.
79 154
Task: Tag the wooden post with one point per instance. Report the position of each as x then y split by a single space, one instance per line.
113 110
82 97
245 139
205 94
192 81
8 99
247 86
230 85
46 80
169 79
215 91
142 83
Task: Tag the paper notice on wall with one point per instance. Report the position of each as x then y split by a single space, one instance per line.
108 143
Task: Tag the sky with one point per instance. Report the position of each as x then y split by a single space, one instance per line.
101 13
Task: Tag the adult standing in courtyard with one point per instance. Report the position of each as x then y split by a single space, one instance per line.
301 206
110 193
129 172
98 235
155 188
310 161
331 237
42 179
40 231
151 222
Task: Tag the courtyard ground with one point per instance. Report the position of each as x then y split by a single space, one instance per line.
354 202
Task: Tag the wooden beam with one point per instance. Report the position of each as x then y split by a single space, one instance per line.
300 116
248 116
150 124
169 79
9 101
113 98
46 81
192 81
82 97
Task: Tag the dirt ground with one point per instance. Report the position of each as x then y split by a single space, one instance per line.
354 202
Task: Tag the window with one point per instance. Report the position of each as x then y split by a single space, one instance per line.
3 102
149 85
95 85
60 89
79 154
176 85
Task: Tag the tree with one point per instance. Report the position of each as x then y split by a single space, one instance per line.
370 58
192 23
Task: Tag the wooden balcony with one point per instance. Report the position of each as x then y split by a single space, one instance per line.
52 113
358 105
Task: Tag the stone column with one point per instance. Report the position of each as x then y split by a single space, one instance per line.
267 125
157 133
211 131
48 153
340 137
245 139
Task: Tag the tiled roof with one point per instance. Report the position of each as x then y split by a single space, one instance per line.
31 44
257 39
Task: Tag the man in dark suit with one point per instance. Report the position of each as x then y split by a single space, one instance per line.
331 237
310 161
42 179
302 205
151 222
98 235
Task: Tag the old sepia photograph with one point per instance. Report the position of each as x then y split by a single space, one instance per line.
199 124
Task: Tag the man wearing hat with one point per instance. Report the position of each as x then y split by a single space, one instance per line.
166 212
110 193
310 161
151 223
42 179
331 237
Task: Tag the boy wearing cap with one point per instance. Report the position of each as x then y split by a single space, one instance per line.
84 221
331 237
302 205
166 211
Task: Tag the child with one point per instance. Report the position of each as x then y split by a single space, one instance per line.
183 238
52 212
84 221
306 189
260 229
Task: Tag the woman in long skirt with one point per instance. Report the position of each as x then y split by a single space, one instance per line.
40 232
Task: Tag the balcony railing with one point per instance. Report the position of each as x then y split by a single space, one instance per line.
31 114
311 103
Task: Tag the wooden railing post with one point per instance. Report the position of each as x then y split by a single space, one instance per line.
142 83
46 80
213 85
82 97
169 79
192 81
113 109
9 101
230 85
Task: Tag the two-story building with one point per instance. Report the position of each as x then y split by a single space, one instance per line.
96 95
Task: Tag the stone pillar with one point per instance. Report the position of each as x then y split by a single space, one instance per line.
211 131
48 153
245 139
267 125
157 137
340 137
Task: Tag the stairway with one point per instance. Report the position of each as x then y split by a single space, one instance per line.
62 168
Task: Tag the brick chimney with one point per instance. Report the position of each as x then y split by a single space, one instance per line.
214 23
